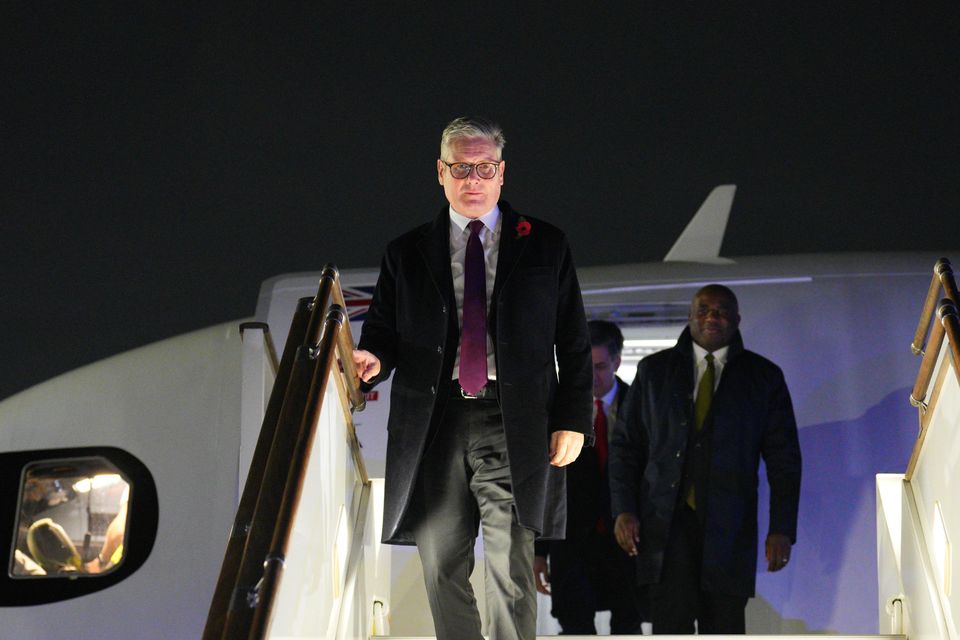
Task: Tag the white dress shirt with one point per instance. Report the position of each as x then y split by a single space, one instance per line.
490 239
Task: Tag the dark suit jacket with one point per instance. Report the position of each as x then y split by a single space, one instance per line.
536 311
751 416
588 496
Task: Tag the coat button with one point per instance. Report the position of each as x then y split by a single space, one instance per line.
673 485
443 309
433 390
439 349
679 452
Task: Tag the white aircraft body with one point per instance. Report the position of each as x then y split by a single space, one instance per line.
168 430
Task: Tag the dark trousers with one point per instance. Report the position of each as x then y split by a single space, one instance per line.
465 480
589 575
678 600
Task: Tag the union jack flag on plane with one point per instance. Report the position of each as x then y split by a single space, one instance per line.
358 299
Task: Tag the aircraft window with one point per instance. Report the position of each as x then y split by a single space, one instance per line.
72 519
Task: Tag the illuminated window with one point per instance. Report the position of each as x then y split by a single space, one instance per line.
72 519
640 342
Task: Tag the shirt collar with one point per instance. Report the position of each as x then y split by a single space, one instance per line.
489 219
610 395
719 356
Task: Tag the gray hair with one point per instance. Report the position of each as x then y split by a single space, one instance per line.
472 127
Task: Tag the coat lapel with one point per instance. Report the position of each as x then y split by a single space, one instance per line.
435 247
512 245
683 372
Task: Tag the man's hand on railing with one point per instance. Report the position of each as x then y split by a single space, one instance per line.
367 365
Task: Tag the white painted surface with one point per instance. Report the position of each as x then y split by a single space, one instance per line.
935 481
175 405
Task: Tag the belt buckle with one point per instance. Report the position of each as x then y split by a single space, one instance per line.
467 396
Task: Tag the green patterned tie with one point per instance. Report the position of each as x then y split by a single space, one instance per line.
701 407
704 393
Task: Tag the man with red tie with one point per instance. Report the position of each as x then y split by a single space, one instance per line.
470 313
588 571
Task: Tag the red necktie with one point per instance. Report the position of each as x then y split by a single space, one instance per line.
473 336
600 435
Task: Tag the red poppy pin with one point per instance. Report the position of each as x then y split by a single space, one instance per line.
523 227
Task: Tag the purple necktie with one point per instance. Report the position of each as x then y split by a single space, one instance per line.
473 337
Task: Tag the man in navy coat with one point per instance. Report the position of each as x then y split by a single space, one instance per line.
683 466
478 315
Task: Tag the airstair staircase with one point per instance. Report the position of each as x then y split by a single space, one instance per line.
304 559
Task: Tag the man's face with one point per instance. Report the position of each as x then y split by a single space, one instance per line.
604 370
714 319
471 196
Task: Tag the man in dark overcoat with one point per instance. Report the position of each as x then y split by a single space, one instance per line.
478 315
587 571
684 461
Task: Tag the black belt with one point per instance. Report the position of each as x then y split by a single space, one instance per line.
488 392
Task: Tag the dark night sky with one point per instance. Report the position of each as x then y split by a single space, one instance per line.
158 164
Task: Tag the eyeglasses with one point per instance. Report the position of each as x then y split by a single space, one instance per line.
461 170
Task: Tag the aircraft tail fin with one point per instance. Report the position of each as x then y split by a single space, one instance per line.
701 240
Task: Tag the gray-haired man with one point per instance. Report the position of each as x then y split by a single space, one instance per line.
469 311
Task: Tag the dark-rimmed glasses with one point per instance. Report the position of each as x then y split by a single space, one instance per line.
461 170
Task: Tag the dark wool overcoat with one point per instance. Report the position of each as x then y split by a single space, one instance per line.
751 416
588 493
536 313
588 500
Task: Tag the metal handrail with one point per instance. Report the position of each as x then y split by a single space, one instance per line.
226 587
948 326
950 319
926 367
330 293
267 341
942 279
257 547
323 355
345 345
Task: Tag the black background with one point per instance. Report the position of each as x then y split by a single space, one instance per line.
161 160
